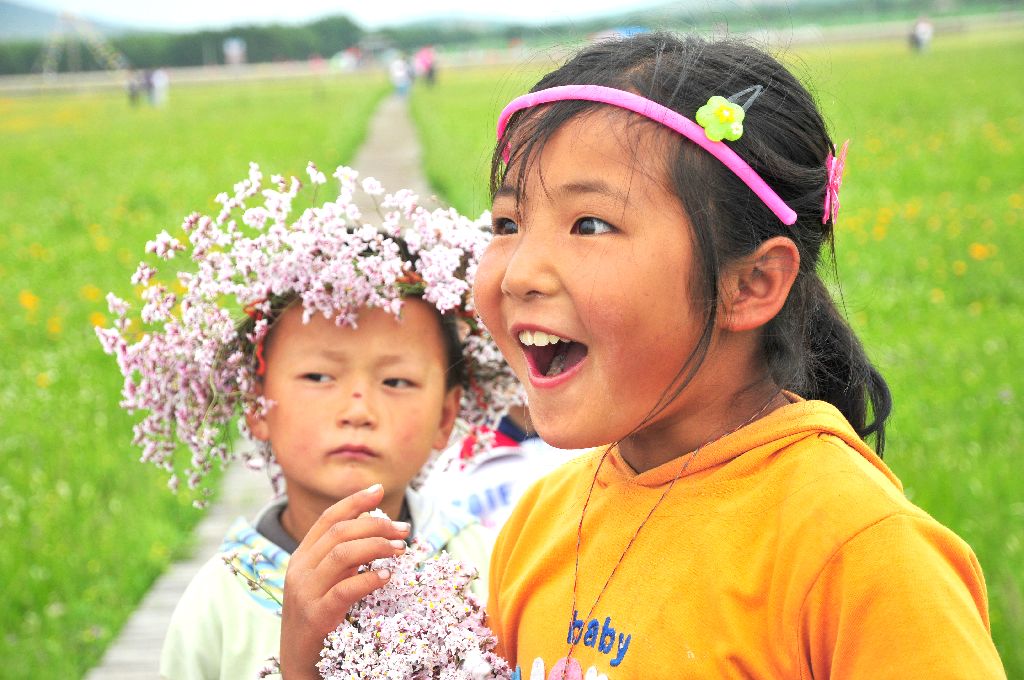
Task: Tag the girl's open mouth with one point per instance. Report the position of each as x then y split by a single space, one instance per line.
550 355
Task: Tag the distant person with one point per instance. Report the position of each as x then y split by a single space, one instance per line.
147 86
135 86
425 64
160 86
401 75
921 34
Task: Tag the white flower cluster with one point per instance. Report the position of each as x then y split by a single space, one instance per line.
185 362
424 624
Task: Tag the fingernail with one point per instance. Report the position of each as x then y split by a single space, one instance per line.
397 544
373 489
401 526
384 574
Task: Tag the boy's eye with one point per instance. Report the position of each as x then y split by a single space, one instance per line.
591 226
316 377
399 383
503 226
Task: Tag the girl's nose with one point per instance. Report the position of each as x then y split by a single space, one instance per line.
530 270
356 411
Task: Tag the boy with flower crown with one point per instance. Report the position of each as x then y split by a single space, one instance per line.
357 356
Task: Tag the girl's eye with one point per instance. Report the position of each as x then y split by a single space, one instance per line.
400 383
503 226
319 378
591 226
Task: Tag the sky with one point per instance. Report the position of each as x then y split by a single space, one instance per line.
191 14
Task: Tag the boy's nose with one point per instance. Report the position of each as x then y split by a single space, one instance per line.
356 411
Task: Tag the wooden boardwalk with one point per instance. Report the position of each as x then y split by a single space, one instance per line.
390 153
135 654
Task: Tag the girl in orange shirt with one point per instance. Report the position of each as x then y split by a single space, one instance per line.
660 209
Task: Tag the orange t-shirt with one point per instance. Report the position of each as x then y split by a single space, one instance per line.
786 550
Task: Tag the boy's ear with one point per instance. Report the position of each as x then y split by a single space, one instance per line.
756 287
449 412
257 421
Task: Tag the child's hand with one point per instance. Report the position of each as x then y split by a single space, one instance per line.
323 582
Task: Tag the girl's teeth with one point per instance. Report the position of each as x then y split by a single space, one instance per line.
539 338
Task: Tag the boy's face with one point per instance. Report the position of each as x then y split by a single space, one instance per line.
355 406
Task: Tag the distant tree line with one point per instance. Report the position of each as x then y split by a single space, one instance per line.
264 43
330 35
150 50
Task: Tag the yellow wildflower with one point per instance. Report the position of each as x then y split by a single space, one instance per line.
38 252
91 293
28 300
980 251
101 243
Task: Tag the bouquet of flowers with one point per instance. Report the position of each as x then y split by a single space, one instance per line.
424 624
192 355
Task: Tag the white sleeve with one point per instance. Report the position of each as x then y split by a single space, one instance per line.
192 649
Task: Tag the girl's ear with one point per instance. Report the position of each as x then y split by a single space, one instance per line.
449 412
756 287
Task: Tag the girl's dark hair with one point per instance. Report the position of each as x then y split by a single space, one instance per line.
808 347
455 363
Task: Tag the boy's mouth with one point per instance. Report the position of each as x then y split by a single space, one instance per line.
550 355
353 451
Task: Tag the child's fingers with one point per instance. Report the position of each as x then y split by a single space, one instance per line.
343 560
346 593
349 507
346 531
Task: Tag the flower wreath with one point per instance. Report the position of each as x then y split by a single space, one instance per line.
192 367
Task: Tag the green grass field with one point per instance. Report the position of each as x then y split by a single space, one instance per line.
930 256
84 529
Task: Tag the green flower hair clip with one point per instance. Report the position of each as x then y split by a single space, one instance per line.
722 118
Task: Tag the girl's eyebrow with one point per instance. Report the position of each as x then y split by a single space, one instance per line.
594 186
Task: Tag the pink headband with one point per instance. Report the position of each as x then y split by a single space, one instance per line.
667 117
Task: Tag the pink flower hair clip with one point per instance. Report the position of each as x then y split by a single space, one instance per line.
835 166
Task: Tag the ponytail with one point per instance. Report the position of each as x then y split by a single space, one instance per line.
812 351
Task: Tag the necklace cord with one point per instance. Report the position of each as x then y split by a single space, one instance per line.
579 529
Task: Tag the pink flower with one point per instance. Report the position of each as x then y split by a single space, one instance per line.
372 187
164 245
315 176
834 166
